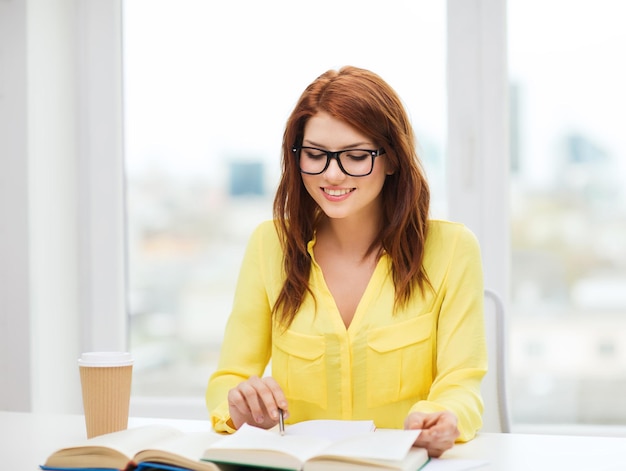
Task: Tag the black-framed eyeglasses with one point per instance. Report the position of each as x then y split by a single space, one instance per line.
352 162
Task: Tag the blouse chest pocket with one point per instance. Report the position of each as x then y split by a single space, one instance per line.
299 366
399 361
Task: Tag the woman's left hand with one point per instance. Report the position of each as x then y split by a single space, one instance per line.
439 430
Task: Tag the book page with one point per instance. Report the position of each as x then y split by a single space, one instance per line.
301 440
384 444
184 451
253 445
253 439
120 447
414 460
333 430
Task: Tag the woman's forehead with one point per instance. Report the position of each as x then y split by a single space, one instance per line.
324 130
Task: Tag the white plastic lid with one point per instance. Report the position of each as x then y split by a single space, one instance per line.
105 359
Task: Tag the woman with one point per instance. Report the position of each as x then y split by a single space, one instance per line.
366 308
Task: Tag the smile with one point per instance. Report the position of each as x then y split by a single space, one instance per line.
341 192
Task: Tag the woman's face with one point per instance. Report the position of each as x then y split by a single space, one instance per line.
340 195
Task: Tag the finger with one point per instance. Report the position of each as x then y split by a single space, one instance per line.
444 435
270 395
436 452
443 430
435 445
237 401
251 394
442 421
415 421
280 401
432 420
238 408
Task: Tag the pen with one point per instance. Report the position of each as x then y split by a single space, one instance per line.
281 422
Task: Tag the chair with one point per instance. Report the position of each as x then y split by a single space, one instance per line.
494 392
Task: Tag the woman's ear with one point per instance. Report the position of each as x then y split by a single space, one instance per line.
390 167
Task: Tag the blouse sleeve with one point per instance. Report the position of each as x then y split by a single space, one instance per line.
246 346
461 354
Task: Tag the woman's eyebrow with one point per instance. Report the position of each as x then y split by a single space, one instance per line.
356 145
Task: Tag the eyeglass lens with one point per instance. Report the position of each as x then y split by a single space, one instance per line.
354 162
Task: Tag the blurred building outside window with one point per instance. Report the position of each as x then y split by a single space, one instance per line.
568 215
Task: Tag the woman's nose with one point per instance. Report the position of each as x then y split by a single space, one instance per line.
334 172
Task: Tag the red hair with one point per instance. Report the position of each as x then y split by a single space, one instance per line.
366 102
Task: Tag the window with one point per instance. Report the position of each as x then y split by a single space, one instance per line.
208 88
568 213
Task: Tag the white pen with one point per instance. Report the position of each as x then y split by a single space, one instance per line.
281 422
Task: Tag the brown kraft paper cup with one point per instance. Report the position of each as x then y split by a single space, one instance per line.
106 382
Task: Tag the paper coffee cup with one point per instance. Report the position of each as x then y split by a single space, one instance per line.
105 380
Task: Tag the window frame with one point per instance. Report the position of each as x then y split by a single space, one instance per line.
477 158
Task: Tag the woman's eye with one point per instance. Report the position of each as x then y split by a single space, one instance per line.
357 156
315 155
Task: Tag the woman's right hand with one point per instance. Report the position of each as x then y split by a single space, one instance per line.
256 402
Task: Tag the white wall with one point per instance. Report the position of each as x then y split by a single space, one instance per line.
15 359
61 196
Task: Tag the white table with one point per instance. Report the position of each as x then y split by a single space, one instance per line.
27 439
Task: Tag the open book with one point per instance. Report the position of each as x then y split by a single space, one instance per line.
311 445
318 445
126 449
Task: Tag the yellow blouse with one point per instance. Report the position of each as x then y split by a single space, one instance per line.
429 356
